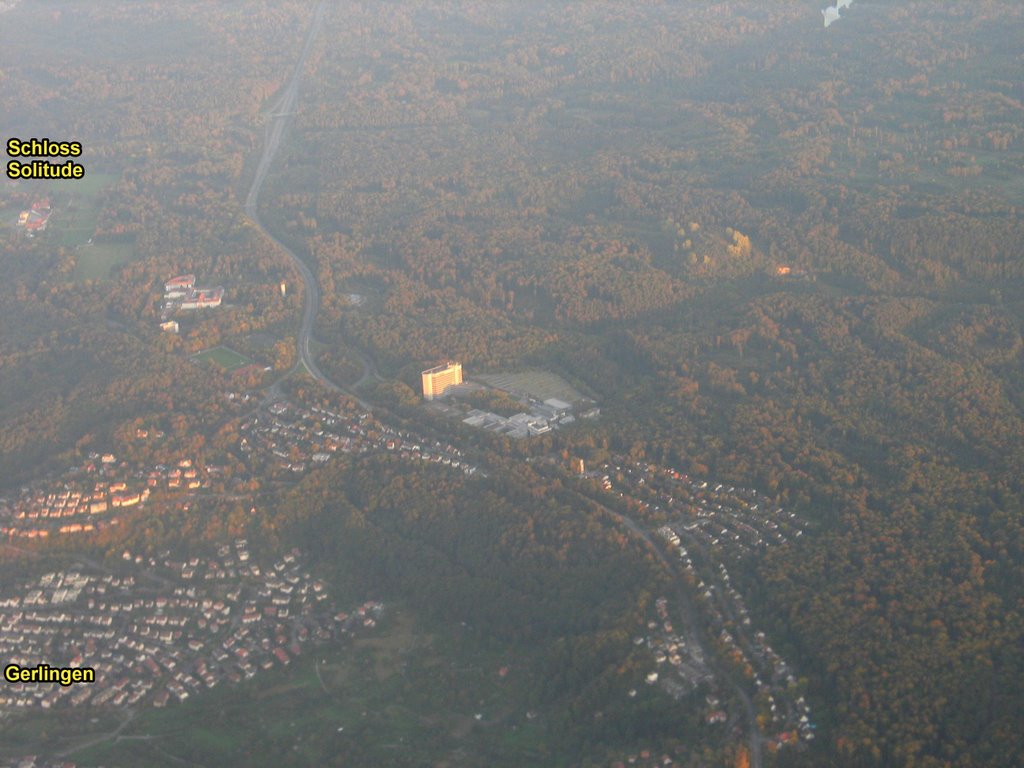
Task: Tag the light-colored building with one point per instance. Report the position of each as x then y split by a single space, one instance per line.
437 380
180 283
199 298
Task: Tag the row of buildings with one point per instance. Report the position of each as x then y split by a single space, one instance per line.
85 498
517 426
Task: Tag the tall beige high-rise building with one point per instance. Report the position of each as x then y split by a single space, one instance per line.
437 380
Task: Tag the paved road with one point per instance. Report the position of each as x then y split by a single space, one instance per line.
280 116
754 739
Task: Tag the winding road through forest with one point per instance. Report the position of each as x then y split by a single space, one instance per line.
689 612
280 116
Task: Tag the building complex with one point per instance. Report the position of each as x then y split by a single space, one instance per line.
181 293
35 219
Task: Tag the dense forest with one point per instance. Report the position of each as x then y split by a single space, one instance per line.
780 255
788 258
78 347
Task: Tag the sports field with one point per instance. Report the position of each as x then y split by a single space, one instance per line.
538 384
222 357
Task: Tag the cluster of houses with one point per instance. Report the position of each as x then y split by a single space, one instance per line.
733 521
682 656
87 497
285 438
292 438
36 217
161 629
710 524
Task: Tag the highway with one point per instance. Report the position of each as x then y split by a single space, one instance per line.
280 116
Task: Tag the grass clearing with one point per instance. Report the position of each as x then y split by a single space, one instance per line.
395 696
386 648
77 206
97 262
9 215
285 717
222 357
400 695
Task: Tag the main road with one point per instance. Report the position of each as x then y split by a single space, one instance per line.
754 737
280 116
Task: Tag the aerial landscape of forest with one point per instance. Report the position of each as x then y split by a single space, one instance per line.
493 383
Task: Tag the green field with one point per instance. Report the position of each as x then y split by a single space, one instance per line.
539 384
395 697
8 215
77 206
222 357
95 262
